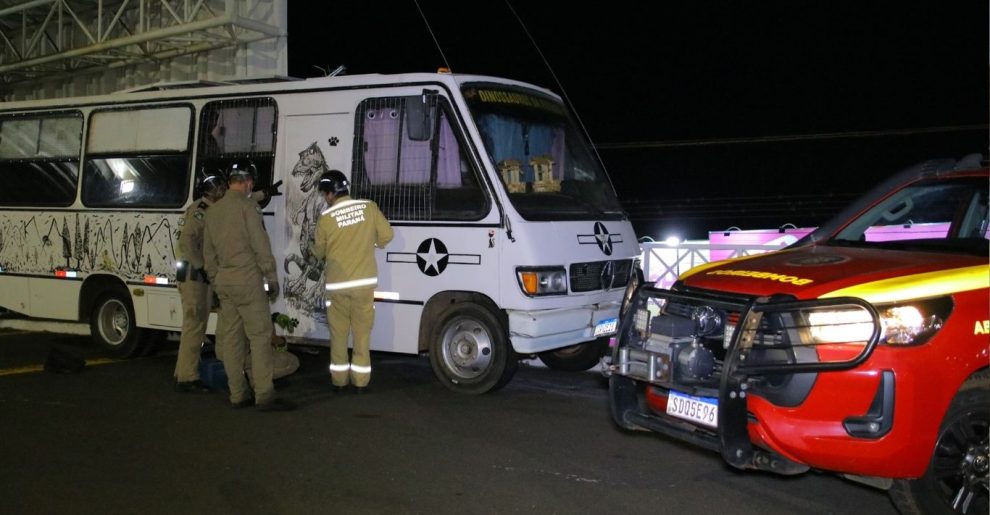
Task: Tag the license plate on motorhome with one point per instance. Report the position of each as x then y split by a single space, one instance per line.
606 327
700 410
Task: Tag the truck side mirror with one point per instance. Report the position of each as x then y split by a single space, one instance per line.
419 117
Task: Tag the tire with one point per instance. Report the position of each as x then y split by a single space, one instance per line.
470 351
956 478
623 400
575 358
112 325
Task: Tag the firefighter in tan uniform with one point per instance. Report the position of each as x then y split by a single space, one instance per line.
194 290
346 236
239 263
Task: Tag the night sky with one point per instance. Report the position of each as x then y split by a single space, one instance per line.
688 102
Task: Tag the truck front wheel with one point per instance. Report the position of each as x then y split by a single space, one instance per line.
956 479
575 358
470 350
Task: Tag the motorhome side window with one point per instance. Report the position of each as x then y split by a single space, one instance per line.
409 160
137 157
39 159
231 130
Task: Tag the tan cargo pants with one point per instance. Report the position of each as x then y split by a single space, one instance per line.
196 299
351 312
245 320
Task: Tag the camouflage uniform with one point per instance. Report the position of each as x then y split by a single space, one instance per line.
346 236
239 261
196 294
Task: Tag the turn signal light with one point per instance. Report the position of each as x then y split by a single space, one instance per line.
539 281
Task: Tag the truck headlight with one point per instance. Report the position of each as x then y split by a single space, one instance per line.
846 325
901 324
904 324
914 323
538 281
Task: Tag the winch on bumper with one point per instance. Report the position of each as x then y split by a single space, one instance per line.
687 364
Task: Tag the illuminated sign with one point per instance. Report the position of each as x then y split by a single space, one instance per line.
496 96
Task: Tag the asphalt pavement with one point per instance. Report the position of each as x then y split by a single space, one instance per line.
115 438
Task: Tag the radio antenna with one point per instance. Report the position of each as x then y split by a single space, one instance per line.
563 92
435 41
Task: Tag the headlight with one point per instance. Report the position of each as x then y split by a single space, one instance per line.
906 324
915 323
542 281
846 325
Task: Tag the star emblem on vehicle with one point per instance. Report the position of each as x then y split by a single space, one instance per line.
432 257
602 238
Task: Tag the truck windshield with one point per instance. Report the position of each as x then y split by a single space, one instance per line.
937 215
543 162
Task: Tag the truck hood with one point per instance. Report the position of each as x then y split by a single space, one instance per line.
877 275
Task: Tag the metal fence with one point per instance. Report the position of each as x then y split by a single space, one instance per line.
664 262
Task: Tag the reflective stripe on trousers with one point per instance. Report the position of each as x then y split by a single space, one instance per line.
356 368
351 313
344 285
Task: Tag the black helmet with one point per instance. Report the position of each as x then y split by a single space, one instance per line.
242 169
334 182
210 180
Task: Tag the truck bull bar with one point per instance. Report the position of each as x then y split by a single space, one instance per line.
783 326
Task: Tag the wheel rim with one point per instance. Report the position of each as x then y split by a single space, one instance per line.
466 347
114 322
962 459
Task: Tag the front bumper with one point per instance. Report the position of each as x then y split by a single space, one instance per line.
767 381
547 329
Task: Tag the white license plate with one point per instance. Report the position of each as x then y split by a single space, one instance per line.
701 410
606 327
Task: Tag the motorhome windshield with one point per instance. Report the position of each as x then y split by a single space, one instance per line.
935 215
542 160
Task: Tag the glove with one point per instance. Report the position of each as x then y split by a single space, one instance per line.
273 291
272 191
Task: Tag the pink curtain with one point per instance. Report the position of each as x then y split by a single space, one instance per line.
381 126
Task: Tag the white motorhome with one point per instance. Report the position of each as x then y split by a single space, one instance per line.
509 238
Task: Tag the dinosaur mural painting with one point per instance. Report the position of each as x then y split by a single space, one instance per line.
304 289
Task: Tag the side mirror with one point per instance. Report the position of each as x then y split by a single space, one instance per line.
419 116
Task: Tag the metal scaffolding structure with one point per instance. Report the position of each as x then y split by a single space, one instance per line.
51 48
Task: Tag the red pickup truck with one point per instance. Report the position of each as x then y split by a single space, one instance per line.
861 349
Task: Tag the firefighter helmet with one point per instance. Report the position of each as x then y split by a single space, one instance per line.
334 182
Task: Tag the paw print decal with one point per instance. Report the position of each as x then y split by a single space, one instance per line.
333 141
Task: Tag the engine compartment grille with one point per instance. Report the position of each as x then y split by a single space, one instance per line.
585 277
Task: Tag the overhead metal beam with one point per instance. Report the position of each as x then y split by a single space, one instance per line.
146 29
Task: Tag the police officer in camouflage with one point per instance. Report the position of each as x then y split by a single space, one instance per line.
347 234
194 290
240 264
